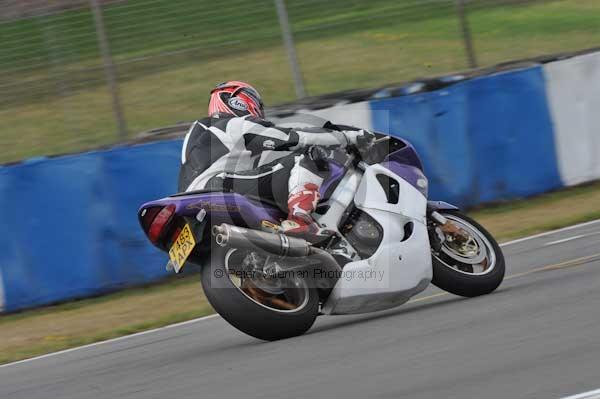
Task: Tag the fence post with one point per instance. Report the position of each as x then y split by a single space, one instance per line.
466 32
59 73
288 40
109 69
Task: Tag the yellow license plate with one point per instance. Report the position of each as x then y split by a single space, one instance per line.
182 248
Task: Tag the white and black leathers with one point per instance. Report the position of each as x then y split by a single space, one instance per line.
231 147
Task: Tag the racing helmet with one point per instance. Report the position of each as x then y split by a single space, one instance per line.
236 98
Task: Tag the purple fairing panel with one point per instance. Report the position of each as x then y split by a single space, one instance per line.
336 173
413 175
404 161
222 207
406 155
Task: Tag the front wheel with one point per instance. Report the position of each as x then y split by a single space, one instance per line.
467 260
264 308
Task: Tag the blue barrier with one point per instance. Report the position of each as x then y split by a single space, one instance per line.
69 224
481 140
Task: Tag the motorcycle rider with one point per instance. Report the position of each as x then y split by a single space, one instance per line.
236 148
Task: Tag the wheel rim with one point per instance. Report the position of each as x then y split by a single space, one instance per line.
283 295
475 256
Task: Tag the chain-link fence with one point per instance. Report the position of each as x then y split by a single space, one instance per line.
75 74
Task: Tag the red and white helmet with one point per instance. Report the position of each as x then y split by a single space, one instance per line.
236 98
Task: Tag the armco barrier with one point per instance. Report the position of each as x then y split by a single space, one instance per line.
69 226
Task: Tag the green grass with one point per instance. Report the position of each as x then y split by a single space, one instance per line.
54 98
545 212
52 328
183 24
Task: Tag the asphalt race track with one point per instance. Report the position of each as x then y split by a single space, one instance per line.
538 336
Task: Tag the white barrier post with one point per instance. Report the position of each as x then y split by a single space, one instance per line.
572 87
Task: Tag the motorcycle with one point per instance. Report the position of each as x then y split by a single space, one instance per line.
390 243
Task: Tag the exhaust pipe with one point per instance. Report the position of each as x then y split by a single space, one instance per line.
227 235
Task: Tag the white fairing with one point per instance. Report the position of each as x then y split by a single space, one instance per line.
401 267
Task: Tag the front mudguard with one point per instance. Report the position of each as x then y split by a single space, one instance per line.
433 206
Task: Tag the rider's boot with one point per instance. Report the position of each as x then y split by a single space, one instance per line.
301 204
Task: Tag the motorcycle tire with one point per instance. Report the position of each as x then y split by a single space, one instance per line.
246 314
463 283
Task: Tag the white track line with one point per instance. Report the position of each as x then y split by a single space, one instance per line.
586 395
216 315
564 240
183 323
547 233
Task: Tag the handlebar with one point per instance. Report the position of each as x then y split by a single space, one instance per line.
355 155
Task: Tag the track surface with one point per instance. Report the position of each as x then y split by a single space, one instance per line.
538 336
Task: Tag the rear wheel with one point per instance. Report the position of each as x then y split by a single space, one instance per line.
468 261
263 307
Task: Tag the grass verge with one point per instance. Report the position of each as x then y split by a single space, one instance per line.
542 213
53 328
341 45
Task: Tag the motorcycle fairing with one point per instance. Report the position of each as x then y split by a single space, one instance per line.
222 207
403 258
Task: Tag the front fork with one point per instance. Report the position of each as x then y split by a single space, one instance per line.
436 235
438 226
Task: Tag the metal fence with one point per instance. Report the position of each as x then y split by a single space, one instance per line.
75 74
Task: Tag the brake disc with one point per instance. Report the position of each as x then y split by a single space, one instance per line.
472 252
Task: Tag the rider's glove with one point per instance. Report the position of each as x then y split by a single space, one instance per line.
319 156
359 138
